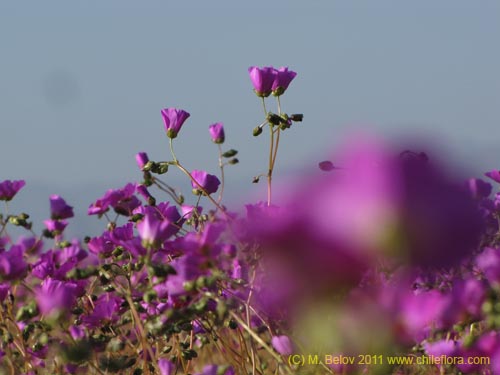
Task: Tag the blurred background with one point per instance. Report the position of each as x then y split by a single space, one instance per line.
82 85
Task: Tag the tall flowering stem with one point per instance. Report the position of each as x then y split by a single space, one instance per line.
194 181
266 81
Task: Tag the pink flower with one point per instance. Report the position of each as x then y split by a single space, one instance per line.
56 296
141 159
208 182
262 80
8 189
217 132
282 345
59 209
173 118
282 80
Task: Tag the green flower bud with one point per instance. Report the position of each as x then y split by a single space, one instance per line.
77 353
274 119
230 153
257 131
233 161
162 167
297 117
150 296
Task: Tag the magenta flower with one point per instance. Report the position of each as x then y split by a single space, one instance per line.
173 118
262 80
166 367
8 189
282 345
12 264
478 188
106 310
56 226
155 229
56 296
489 263
141 159
494 175
59 209
217 132
122 200
142 190
209 183
209 370
282 80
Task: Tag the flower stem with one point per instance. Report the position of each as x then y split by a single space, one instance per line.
221 166
270 168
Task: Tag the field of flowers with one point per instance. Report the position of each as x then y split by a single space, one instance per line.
382 261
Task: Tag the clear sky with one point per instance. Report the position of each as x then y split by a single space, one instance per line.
82 83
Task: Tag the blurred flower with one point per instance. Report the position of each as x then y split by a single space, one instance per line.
122 200
209 370
217 132
173 118
282 79
8 189
12 264
262 79
56 226
59 209
494 175
282 345
478 188
106 310
489 263
55 296
154 228
166 367
208 182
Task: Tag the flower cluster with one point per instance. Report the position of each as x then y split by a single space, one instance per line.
378 252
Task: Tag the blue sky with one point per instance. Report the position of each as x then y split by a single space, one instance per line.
82 83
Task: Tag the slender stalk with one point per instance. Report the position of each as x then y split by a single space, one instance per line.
221 166
256 337
247 311
201 188
270 167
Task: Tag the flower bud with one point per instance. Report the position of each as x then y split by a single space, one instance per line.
142 160
257 131
233 161
217 132
229 153
162 167
298 117
274 119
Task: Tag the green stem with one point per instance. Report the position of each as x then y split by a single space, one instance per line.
270 167
264 105
221 166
